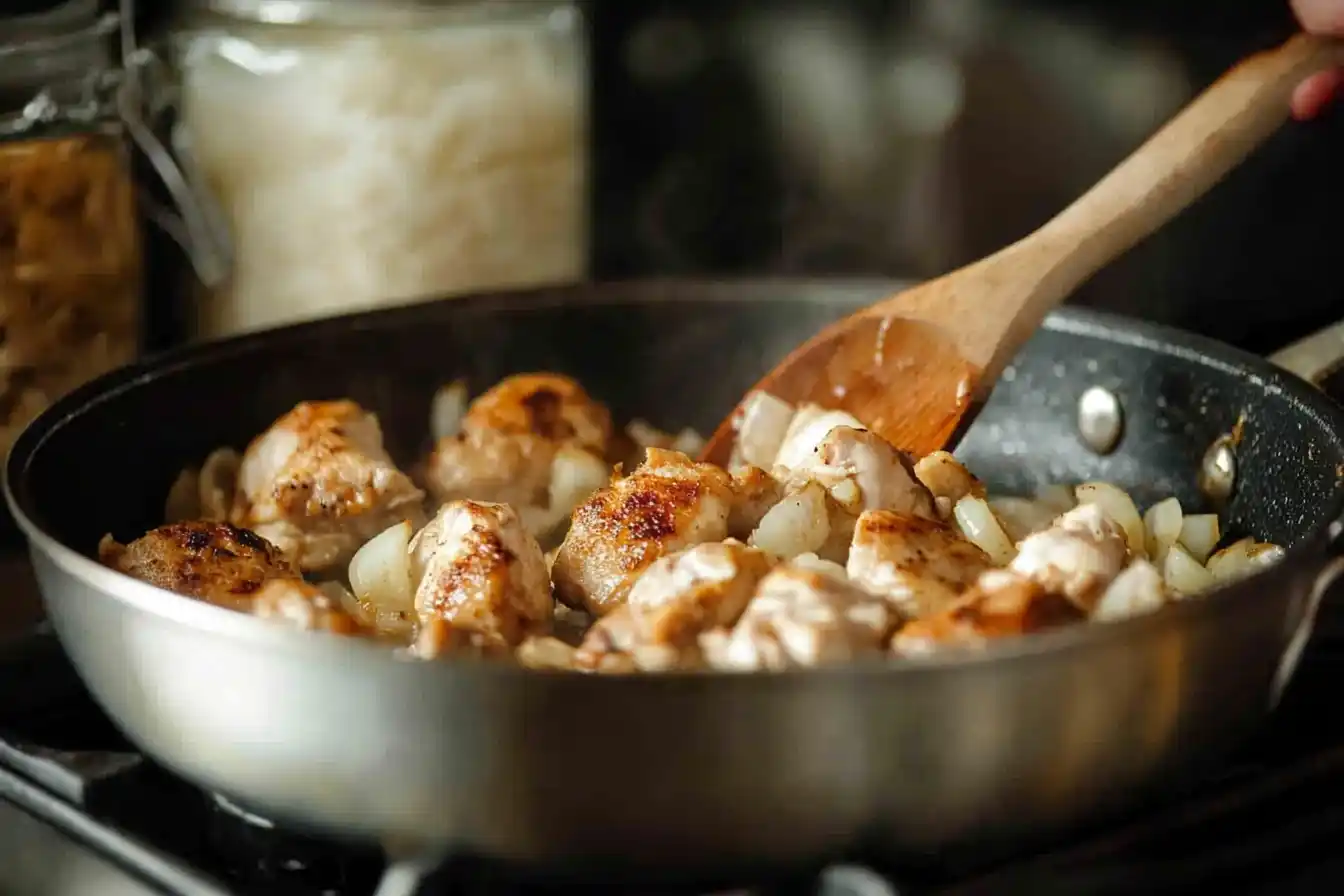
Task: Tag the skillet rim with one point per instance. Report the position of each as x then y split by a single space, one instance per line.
1110 327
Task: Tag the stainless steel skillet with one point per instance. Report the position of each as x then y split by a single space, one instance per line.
683 774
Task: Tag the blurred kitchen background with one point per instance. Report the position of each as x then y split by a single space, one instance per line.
910 136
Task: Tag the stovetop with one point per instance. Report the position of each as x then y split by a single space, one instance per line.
82 813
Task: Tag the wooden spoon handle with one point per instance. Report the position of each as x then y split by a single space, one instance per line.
1185 158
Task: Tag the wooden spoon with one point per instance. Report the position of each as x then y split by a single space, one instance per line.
915 367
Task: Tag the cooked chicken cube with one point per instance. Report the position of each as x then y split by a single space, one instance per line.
319 483
755 493
862 472
215 562
802 615
668 503
1077 557
1000 604
919 564
480 579
1135 591
677 598
807 428
946 477
545 652
516 440
300 605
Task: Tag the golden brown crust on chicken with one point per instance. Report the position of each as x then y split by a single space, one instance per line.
318 483
668 503
481 579
1000 605
212 561
678 598
919 564
509 440
754 493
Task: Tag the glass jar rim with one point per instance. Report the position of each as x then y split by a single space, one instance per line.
297 12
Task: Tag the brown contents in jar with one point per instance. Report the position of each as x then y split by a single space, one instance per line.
69 270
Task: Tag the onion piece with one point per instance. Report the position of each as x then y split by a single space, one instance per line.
799 524
380 571
1021 517
1184 574
1243 558
1120 508
184 498
1058 498
575 475
1162 525
763 424
219 483
689 442
448 410
981 528
1200 534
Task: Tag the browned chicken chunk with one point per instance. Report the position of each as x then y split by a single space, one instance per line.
999 605
319 483
215 562
1078 556
668 503
803 614
921 565
678 598
536 441
297 604
480 580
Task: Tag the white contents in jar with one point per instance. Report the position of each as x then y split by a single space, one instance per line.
370 167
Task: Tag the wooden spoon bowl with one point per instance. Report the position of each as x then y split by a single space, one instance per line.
916 366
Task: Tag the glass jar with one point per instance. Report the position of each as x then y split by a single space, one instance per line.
70 261
369 153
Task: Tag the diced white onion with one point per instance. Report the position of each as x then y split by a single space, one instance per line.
447 410
689 442
575 475
380 571
1243 558
764 423
1200 533
1137 590
218 483
184 498
981 528
1162 525
1058 498
1184 574
1021 517
796 525
1120 508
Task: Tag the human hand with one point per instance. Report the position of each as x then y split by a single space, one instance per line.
1315 93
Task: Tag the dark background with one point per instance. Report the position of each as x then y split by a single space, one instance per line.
692 175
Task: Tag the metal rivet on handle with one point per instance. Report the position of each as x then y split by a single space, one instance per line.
1100 419
1218 470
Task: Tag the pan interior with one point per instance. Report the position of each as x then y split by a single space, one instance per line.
679 355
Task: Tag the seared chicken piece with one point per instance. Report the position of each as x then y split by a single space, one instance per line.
298 604
678 597
802 615
669 502
480 580
948 480
506 451
319 483
215 562
1135 591
755 492
999 605
1077 557
919 564
862 472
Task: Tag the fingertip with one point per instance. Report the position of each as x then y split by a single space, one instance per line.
1315 93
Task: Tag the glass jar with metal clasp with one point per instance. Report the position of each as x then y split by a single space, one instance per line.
71 267
368 153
